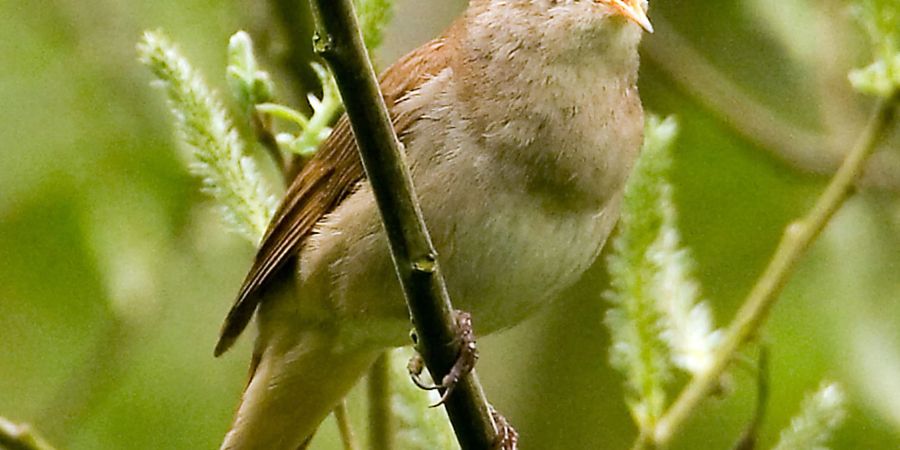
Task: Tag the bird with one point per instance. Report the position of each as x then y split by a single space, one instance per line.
521 123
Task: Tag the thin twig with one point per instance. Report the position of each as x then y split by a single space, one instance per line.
262 127
798 237
340 43
382 429
20 437
344 428
749 439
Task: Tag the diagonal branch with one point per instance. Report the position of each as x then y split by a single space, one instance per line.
20 437
340 43
797 239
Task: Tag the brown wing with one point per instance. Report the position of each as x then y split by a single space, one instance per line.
323 183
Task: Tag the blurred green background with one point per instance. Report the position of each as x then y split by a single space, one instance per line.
115 272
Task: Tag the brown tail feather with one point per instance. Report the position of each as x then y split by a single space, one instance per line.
292 390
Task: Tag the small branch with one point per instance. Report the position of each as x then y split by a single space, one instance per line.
382 429
340 43
20 437
749 439
262 127
342 416
797 238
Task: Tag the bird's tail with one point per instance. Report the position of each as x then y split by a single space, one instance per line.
291 392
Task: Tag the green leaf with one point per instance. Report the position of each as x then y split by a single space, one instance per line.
880 78
881 20
249 85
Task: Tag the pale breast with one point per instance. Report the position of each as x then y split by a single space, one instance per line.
516 217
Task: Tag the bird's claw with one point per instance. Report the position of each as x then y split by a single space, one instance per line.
507 436
465 361
416 366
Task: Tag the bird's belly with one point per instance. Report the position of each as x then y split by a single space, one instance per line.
508 255
502 255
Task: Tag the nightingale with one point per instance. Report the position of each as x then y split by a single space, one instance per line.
521 124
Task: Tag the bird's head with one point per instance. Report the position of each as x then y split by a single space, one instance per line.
632 10
566 29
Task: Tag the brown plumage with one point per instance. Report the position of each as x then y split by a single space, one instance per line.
331 175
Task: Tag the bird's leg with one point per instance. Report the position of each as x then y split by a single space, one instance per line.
468 354
465 361
507 436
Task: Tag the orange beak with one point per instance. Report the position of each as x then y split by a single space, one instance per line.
632 10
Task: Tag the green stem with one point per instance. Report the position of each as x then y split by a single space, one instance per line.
284 113
263 130
797 238
381 415
344 428
20 437
323 117
340 43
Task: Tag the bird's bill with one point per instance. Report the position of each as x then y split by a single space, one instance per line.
633 10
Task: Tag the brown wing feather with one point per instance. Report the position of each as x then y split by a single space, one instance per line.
328 178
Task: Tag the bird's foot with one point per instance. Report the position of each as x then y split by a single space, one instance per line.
507 436
465 361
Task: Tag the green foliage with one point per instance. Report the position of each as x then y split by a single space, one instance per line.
657 319
249 85
880 78
820 414
374 15
638 349
204 126
687 322
881 20
216 149
313 130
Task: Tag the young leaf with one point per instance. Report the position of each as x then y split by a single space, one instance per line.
249 85
881 20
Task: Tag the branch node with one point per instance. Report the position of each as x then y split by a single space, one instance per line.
794 229
426 264
323 43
